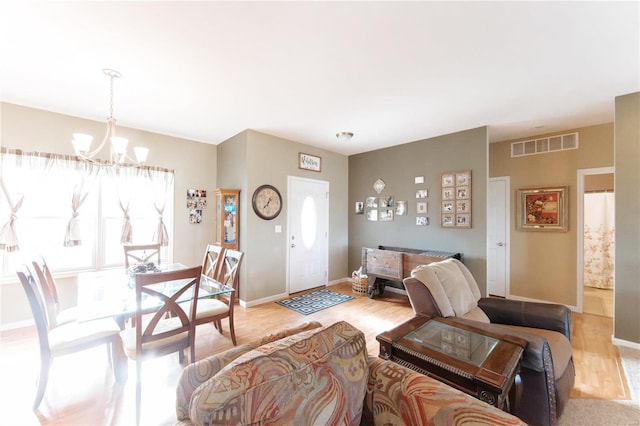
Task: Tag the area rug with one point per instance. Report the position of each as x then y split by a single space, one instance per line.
315 301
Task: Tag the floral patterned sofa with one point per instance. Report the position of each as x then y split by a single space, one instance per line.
315 375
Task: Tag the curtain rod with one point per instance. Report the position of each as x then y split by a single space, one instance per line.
14 151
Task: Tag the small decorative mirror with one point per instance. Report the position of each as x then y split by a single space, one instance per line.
379 185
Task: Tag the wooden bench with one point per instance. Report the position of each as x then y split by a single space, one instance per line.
396 263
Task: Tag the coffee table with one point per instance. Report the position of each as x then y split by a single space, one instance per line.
477 362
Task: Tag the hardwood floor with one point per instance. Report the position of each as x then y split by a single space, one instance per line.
81 389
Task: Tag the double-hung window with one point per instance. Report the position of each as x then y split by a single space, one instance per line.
78 214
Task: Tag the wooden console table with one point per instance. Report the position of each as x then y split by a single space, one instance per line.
395 264
474 361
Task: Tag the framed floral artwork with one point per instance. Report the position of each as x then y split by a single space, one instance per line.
543 209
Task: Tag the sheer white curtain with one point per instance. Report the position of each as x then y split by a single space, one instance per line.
19 172
127 182
161 188
81 178
599 239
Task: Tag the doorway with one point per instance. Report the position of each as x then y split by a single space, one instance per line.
596 243
308 234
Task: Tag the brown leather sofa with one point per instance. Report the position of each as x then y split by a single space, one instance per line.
547 372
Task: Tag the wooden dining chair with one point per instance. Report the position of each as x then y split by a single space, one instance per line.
49 288
221 306
213 258
141 253
63 339
154 334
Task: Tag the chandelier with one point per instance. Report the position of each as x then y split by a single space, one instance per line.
118 155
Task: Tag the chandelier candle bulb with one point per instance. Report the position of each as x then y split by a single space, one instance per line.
81 143
119 144
141 154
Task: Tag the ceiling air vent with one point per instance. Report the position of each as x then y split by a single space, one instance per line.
545 145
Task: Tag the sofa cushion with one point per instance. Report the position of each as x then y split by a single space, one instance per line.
451 285
314 377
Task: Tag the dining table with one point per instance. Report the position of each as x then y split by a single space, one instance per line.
112 293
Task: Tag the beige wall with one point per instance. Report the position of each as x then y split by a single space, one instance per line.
398 166
627 182
195 165
599 183
543 264
252 159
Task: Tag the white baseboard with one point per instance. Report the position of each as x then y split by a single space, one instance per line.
17 324
625 343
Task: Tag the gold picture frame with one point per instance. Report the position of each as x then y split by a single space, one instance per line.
543 209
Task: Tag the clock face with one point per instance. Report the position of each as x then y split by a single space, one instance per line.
267 202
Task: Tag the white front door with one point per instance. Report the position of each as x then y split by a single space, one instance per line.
498 236
308 233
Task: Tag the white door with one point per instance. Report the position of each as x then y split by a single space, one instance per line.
308 233
498 236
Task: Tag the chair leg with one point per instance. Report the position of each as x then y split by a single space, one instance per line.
43 378
119 360
232 331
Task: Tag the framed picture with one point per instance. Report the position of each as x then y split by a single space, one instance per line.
386 215
401 208
421 208
386 201
463 178
543 209
422 193
447 179
463 220
422 221
359 207
372 215
372 202
462 192
447 207
309 162
447 220
462 206
448 193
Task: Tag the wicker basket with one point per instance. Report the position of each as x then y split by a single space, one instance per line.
359 284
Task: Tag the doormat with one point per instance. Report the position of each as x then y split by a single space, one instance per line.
315 301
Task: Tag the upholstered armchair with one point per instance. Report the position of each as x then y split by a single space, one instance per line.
547 374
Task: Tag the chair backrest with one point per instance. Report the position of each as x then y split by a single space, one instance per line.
36 302
183 282
141 253
212 262
230 268
49 289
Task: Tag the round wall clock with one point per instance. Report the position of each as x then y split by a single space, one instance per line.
267 202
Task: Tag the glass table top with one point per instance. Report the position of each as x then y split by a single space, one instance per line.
453 341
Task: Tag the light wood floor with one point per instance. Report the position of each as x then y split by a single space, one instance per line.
598 301
81 390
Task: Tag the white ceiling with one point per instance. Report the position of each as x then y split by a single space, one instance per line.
390 72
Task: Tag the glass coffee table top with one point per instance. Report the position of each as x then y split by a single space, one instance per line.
453 341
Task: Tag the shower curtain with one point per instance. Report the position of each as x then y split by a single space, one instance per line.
599 247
